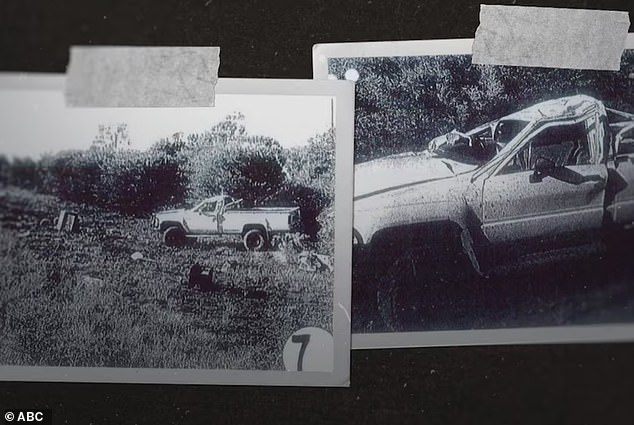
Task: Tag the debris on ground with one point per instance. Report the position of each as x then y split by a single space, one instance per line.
201 278
138 256
89 280
89 283
223 251
313 262
229 265
293 241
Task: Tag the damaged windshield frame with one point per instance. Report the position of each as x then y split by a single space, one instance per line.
486 141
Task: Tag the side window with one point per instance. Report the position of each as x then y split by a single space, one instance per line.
209 208
229 205
564 145
626 142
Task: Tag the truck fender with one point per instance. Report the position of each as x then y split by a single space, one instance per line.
261 227
167 224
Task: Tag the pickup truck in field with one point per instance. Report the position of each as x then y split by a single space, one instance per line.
546 179
223 215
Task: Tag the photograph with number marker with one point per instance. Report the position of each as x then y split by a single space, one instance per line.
177 245
492 204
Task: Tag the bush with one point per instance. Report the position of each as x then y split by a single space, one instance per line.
130 182
403 102
253 174
326 233
313 165
310 172
22 172
310 201
225 160
138 182
73 176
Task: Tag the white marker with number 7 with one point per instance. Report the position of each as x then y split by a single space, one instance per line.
309 350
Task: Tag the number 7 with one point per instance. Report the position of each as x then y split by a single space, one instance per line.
301 339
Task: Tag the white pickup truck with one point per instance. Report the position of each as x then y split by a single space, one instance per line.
544 180
223 215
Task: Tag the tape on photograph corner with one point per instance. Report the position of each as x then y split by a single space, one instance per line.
550 37
142 76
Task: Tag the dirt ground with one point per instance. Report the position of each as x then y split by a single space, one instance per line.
80 299
583 289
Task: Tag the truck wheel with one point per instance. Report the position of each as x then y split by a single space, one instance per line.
254 240
174 236
411 291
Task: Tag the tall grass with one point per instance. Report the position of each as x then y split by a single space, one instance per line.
80 300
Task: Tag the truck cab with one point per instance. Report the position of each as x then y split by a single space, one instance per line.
208 215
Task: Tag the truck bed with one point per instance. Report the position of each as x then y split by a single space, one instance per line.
273 210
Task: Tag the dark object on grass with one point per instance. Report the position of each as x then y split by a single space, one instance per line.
312 262
194 275
201 278
67 221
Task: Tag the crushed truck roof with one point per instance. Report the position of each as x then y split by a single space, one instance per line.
569 106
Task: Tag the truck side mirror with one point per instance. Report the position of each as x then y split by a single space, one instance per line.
543 167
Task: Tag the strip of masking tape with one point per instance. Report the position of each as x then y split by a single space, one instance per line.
142 76
550 37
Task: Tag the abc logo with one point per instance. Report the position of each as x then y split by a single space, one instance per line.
24 416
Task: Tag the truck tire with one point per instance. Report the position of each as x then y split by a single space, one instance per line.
174 236
254 240
412 291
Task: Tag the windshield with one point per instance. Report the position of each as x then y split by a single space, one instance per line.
207 207
477 146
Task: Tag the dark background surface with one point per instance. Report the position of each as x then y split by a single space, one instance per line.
579 384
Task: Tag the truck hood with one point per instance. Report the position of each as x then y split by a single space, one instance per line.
164 215
398 171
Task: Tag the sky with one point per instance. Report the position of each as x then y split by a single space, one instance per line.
35 122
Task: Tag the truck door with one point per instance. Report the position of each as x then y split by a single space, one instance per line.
552 186
622 178
203 220
228 217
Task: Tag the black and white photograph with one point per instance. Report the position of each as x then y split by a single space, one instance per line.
177 245
492 204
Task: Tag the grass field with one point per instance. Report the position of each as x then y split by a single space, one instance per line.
81 300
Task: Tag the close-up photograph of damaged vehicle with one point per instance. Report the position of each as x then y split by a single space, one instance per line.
543 177
489 197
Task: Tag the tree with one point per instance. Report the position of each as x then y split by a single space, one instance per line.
313 165
111 136
226 159
25 173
